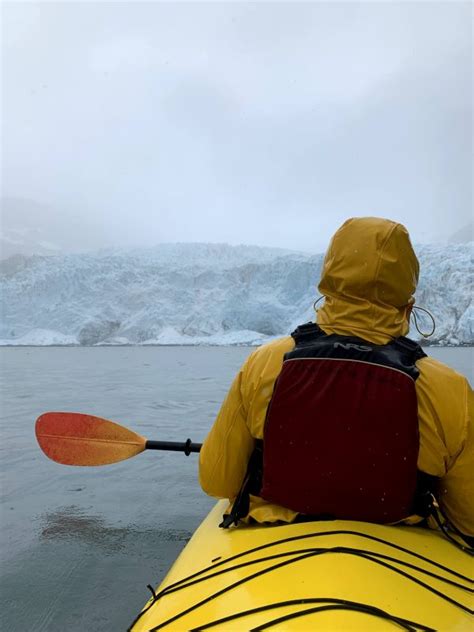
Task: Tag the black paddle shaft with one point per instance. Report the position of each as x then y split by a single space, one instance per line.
174 446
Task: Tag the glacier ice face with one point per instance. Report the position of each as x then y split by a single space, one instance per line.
96 331
200 294
446 289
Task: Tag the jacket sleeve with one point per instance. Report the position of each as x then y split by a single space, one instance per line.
457 486
225 453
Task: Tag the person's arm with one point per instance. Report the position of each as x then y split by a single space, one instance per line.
225 453
456 492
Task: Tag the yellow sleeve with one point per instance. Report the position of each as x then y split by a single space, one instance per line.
226 451
457 486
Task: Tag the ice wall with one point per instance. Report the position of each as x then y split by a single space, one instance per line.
199 294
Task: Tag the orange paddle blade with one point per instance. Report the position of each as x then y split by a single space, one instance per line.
77 439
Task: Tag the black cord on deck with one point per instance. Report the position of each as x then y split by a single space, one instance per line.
314 535
444 526
186 581
300 602
316 551
356 607
299 558
152 590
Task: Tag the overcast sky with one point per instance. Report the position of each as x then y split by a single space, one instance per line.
263 123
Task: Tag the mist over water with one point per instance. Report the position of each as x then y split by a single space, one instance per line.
79 545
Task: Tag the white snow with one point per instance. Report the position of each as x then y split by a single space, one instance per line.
211 294
169 336
41 337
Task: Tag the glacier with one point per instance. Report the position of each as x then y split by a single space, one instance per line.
201 294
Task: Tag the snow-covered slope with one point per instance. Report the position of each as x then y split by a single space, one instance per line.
198 294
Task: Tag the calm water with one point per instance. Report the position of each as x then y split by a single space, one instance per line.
79 545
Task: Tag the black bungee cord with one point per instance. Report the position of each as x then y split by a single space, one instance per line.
342 603
355 607
297 559
340 549
302 554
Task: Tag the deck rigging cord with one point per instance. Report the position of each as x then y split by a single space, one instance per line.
298 558
356 607
374 557
316 551
446 526
341 603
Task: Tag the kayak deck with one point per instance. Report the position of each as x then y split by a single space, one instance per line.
331 575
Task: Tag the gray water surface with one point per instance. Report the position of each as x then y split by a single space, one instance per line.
79 545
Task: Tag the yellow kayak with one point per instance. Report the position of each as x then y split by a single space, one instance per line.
331 575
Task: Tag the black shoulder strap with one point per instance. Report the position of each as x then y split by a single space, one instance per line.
305 334
308 332
410 345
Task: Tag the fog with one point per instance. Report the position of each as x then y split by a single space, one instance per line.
128 124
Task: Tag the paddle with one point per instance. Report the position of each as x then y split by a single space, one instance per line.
78 439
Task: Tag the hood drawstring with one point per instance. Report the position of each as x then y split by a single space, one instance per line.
316 302
415 320
413 313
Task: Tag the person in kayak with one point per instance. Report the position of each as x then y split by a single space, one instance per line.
346 418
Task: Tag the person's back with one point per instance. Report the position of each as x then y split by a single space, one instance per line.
369 275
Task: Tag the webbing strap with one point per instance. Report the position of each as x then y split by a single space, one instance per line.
410 345
251 485
310 332
306 333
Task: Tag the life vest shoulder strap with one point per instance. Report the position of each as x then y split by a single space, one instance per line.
312 342
407 344
310 332
307 333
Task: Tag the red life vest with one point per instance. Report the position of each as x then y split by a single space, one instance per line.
341 433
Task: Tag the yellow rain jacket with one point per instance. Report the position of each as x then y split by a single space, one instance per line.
369 275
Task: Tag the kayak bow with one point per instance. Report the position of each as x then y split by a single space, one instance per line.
331 575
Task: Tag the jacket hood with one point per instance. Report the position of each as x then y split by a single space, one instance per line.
369 275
